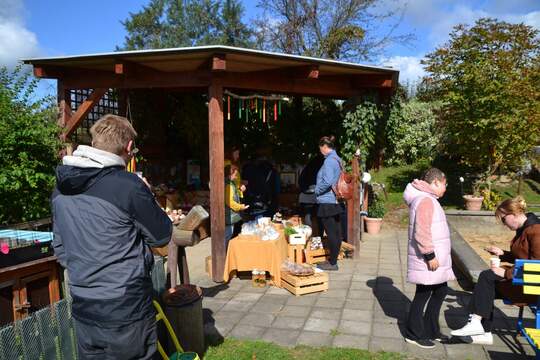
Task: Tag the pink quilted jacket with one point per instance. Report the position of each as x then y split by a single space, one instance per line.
417 270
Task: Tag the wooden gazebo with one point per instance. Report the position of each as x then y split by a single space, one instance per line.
211 69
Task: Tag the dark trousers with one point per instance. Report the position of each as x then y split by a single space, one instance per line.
332 227
483 297
425 325
309 214
137 340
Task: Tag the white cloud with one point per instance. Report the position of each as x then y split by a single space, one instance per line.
410 69
16 41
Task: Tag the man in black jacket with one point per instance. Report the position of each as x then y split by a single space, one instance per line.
105 220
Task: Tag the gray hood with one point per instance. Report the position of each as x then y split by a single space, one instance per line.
89 157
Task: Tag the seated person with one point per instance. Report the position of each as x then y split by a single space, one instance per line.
498 280
232 203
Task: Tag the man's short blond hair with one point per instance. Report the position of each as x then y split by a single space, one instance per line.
112 133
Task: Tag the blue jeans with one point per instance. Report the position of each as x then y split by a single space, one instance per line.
229 230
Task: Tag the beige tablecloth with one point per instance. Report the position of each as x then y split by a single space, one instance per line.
248 252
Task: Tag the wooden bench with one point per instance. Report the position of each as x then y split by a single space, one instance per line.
527 274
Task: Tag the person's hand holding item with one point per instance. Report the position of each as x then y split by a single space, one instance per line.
245 207
433 264
494 250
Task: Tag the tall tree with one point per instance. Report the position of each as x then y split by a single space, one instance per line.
177 23
488 79
334 29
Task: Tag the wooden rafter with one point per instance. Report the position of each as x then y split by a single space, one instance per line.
83 110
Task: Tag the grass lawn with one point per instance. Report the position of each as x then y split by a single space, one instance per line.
396 178
232 349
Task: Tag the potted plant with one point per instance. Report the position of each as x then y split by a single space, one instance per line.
473 202
376 211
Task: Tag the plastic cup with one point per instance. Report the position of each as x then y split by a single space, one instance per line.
495 262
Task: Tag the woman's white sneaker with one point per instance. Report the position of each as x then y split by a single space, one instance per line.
484 339
473 327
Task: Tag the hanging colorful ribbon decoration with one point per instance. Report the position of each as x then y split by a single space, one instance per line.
264 110
249 103
228 108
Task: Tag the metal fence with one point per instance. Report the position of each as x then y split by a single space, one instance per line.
46 334
49 333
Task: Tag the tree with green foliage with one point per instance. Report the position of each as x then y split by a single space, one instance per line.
488 79
173 23
29 148
333 29
411 133
360 131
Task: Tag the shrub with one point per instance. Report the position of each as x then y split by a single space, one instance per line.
29 146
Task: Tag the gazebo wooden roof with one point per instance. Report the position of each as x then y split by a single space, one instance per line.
211 69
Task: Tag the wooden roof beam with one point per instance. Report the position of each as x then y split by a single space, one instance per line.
297 72
189 79
59 72
132 69
216 63
272 82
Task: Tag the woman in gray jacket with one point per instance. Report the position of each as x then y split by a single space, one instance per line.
329 210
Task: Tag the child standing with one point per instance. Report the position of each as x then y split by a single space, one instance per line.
429 264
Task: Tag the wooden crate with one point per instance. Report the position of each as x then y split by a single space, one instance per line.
301 285
319 255
296 253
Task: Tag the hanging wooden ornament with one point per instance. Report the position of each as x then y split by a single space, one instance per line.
264 110
279 105
275 110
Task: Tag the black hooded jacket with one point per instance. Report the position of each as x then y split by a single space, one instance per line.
104 221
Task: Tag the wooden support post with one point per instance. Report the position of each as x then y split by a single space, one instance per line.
64 104
217 179
64 114
354 209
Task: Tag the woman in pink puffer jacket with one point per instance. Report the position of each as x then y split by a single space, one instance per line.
429 263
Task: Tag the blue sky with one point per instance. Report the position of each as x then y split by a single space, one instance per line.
60 27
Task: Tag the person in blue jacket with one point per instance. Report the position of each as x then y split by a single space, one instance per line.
329 209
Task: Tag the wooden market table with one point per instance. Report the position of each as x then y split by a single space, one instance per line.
248 252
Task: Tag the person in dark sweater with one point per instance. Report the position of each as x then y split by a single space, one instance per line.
307 198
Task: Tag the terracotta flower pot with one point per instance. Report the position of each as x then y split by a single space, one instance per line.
473 203
373 225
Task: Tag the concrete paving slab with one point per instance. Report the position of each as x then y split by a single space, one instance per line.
305 300
330 303
281 337
354 327
357 315
250 332
315 339
288 322
292 310
383 344
325 313
351 341
321 325
267 308
257 319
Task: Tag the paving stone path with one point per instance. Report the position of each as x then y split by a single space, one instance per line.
364 308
